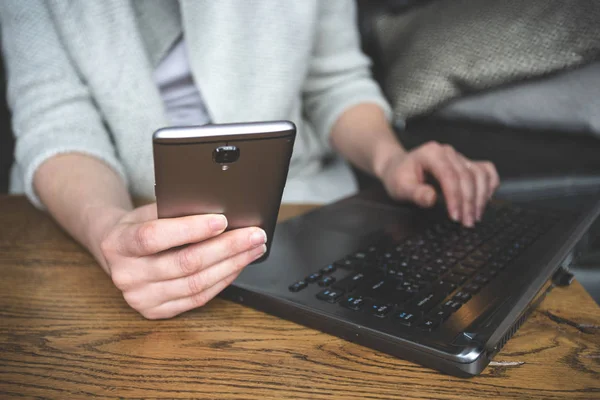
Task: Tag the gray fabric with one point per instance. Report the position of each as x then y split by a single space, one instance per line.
159 23
453 48
567 102
80 77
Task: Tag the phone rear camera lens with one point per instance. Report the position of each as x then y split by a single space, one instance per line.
226 154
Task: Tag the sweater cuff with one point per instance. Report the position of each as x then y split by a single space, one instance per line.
40 153
344 99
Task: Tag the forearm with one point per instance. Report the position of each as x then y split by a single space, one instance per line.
84 195
364 137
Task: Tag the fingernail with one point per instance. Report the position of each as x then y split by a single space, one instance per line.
218 223
454 215
258 237
469 222
259 251
430 198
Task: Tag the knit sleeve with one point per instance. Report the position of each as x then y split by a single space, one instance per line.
339 74
52 109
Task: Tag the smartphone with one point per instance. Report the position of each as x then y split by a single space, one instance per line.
237 169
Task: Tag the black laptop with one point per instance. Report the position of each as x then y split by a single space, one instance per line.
412 283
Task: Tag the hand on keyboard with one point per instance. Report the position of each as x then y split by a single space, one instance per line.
466 185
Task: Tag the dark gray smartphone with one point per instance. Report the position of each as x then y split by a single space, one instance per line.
238 170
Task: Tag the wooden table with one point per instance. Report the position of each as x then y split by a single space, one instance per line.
66 333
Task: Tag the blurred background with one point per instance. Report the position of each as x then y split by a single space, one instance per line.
513 82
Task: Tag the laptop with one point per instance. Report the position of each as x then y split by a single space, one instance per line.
410 282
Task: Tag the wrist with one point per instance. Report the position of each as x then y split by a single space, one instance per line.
383 153
99 221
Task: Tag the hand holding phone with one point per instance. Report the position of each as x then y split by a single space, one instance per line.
238 170
168 266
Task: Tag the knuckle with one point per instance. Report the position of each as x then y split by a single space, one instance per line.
189 260
432 147
146 236
447 148
489 166
465 177
136 300
122 279
195 285
106 246
449 176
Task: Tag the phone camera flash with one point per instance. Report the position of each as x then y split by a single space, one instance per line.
224 167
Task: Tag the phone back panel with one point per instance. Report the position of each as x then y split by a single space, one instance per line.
248 191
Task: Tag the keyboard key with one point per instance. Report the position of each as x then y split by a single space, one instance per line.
435 269
376 287
424 277
330 295
452 304
456 279
442 313
463 270
472 263
353 302
349 263
312 278
411 287
479 255
462 296
399 296
406 318
350 282
429 324
298 286
472 288
326 281
328 269
481 279
425 302
443 287
381 309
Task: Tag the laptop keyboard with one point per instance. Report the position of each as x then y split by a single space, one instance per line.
421 280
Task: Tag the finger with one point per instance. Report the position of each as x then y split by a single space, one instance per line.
481 189
493 177
194 258
413 189
466 176
199 282
423 195
151 237
434 159
178 306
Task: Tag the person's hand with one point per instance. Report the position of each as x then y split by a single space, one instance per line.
167 266
466 185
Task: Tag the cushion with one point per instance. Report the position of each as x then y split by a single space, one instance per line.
450 49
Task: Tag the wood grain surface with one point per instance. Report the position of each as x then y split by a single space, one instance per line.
66 333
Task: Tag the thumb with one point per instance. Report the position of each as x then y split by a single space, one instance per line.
420 193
